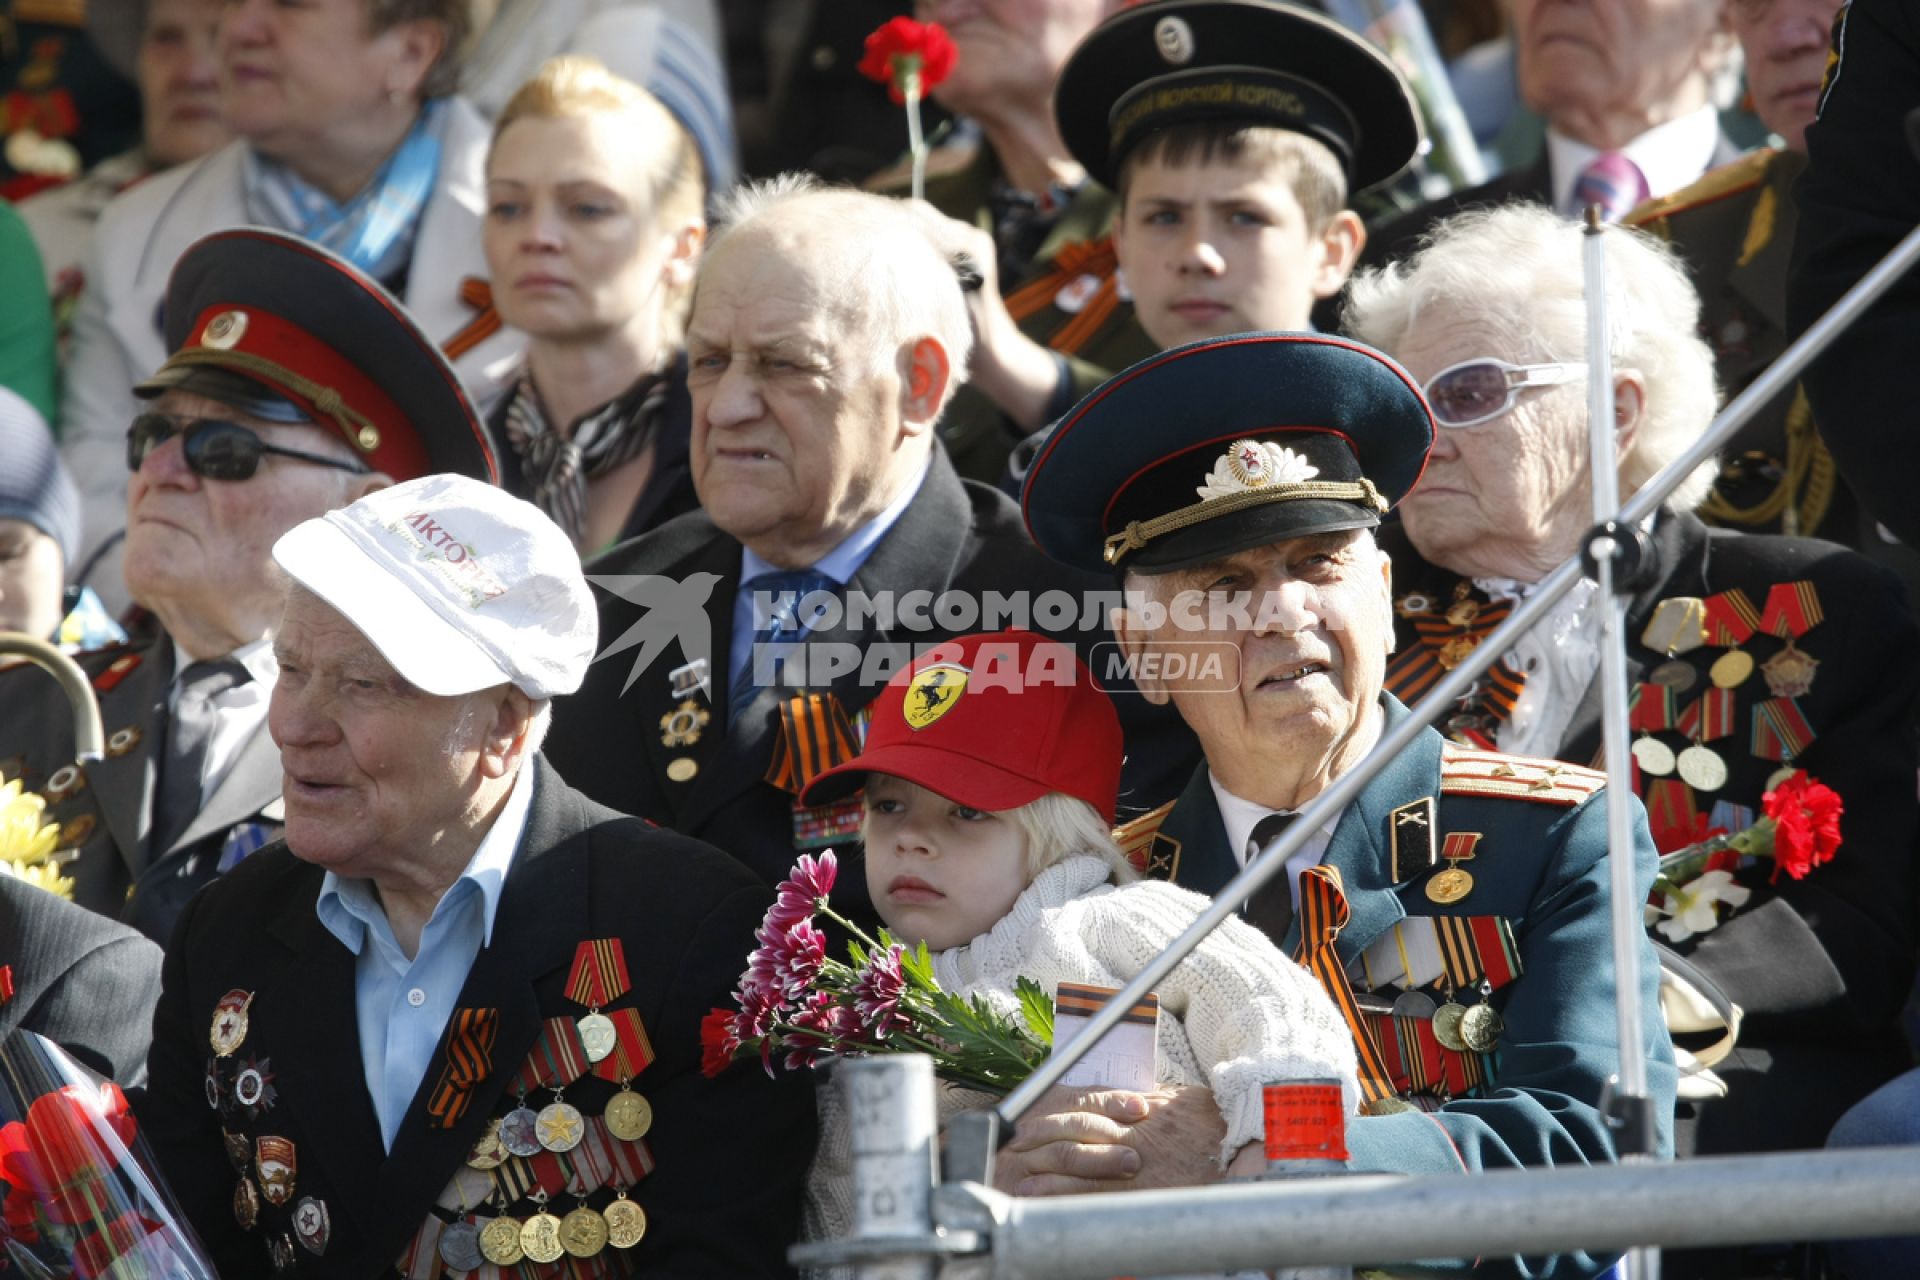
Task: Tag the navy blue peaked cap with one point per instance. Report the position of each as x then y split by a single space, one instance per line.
1254 62
1226 444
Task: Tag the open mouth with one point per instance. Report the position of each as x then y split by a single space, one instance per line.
1293 674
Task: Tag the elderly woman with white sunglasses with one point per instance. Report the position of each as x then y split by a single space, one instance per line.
1746 653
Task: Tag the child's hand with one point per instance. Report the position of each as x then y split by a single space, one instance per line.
1077 1141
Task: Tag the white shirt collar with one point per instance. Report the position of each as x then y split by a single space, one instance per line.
1239 816
1670 155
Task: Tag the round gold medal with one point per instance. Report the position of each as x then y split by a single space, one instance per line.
626 1223
1701 769
1480 1027
1450 885
540 1237
487 1153
1446 1025
1653 756
628 1116
500 1242
246 1204
682 768
1731 669
583 1233
559 1127
596 1036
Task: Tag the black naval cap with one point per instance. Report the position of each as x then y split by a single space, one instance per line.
1226 444
280 328
1254 62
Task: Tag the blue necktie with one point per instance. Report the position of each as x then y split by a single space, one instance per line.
783 626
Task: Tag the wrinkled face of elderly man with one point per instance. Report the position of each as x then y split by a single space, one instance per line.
1309 622
1785 42
1606 71
379 773
808 415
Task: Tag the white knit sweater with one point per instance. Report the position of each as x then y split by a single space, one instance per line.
1242 1015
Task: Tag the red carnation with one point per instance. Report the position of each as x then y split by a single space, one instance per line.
909 57
717 1042
1806 816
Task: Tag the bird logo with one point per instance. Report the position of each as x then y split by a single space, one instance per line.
932 693
675 611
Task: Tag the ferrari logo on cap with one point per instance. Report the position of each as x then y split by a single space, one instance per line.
225 330
932 693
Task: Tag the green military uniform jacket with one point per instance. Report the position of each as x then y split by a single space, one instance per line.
1541 864
1734 228
1069 299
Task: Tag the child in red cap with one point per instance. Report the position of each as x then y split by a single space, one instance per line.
992 768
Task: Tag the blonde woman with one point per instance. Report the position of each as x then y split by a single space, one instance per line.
594 223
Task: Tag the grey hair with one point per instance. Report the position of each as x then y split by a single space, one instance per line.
1516 269
891 277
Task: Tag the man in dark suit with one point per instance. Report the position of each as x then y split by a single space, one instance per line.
1616 80
827 336
295 385
454 1018
83 982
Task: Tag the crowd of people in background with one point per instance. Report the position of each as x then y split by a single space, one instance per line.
517 474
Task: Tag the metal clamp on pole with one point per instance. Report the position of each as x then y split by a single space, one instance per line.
1626 548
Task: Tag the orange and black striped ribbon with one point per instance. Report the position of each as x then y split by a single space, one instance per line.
1780 730
1793 608
599 973
632 1051
1729 618
815 735
1323 914
470 1038
1418 667
1477 947
1073 261
478 294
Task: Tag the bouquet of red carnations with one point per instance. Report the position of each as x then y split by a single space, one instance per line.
1799 830
796 1000
77 1195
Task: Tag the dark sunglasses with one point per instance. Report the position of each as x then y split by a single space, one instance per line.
215 450
1476 391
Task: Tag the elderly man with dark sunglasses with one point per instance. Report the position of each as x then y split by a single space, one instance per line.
1747 653
295 387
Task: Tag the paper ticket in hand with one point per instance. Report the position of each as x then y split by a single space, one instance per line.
1124 1057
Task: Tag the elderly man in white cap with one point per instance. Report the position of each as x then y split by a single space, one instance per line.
454 1018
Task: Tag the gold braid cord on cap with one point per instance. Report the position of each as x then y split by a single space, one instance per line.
357 427
1139 533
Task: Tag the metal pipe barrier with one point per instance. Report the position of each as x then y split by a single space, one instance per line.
1683 1206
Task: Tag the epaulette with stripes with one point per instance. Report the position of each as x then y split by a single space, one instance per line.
1730 179
1468 771
1138 838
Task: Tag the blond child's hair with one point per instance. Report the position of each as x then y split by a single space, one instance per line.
1057 827
1309 166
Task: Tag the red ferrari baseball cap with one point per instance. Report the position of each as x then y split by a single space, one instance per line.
992 721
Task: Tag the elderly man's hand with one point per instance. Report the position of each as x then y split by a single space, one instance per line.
1078 1140
1015 372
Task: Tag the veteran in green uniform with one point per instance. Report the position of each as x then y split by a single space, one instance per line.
1458 909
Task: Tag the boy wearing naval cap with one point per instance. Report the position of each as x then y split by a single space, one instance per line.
1234 484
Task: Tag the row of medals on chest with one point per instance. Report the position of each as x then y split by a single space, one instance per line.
1456 1026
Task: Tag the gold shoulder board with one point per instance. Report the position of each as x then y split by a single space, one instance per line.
1744 174
1467 771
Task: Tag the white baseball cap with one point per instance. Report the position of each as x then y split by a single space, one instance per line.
459 585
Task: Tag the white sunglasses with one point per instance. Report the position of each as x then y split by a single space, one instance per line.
1475 391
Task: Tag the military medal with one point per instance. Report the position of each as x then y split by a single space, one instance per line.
1789 673
216 1088
1793 609
1729 623
239 1151
598 977
1677 626
540 1234
519 1131
460 1246
1453 884
628 1116
246 1203
1653 756
488 1153
312 1225
275 1162
230 1022
280 1250
123 741
1413 1004
559 1126
626 1221
1702 769
253 1086
1677 676
583 1233
1480 1027
1731 669
681 727
500 1242
682 769
690 679
1446 1025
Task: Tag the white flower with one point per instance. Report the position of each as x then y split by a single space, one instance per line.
1255 464
1694 906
